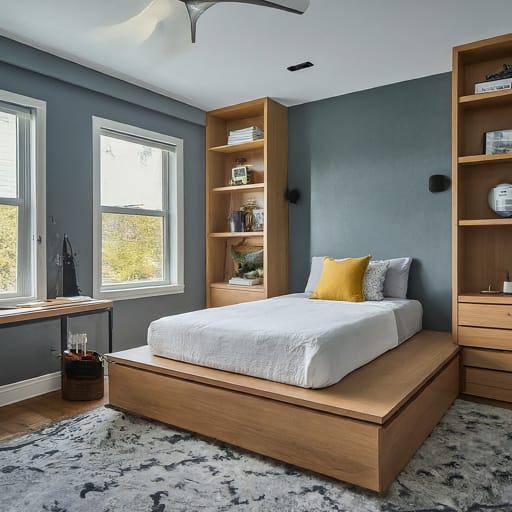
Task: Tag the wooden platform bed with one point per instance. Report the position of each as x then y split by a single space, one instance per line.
362 430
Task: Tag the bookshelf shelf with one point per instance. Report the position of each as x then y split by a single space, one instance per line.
485 99
242 234
485 222
253 187
485 159
238 148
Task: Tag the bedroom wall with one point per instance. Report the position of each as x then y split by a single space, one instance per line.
29 351
362 162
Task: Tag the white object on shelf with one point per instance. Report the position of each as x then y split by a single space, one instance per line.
241 281
494 85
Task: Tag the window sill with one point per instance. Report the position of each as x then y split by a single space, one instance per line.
139 293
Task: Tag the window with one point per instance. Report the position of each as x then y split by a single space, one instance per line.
22 199
138 242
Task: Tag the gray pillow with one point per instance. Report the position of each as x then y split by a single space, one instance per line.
397 278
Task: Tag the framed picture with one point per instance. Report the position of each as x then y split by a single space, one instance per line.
241 175
498 142
258 219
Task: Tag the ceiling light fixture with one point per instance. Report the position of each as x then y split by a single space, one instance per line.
196 8
302 65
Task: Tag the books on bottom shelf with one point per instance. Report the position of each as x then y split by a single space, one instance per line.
493 85
242 281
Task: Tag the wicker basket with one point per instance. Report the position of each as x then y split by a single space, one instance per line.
82 376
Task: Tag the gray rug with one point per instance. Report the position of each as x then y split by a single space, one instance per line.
107 461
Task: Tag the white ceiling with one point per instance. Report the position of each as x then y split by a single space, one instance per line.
242 51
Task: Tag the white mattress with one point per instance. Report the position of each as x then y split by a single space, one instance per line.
289 339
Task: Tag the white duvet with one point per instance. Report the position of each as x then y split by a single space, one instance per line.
289 339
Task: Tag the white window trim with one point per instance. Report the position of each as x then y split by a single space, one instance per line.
37 196
176 209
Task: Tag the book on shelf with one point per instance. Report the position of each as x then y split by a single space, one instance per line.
242 281
493 85
250 134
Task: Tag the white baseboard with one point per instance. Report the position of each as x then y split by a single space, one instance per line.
17 391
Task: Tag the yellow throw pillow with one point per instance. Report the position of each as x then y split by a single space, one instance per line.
342 280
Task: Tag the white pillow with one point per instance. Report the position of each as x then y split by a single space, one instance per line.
397 278
373 277
317 265
374 280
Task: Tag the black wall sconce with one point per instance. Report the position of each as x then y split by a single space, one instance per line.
292 196
439 183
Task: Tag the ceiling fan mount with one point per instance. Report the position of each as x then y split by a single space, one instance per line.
196 8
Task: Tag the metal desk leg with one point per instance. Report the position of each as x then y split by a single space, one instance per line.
110 328
63 333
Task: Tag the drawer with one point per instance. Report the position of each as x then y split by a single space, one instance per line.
488 384
226 297
490 359
499 339
486 315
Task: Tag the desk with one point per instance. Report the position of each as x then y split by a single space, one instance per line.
9 317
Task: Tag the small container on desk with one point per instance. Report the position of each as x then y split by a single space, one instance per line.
82 375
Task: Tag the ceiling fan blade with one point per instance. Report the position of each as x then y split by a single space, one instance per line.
293 6
197 7
139 27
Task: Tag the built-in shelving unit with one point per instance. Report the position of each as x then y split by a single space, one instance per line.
269 160
482 241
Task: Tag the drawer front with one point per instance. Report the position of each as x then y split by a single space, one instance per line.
490 359
488 384
222 297
486 315
499 339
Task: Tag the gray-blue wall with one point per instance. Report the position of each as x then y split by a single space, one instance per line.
26 351
362 162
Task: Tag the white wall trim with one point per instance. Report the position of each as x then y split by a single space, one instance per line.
24 389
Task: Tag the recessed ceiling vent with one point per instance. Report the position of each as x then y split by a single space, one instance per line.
302 65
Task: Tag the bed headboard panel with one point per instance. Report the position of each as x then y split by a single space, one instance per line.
362 162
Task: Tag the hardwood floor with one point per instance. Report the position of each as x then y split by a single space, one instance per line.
28 415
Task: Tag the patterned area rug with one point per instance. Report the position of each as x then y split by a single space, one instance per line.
107 461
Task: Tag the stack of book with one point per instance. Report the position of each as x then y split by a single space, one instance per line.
242 281
245 135
493 85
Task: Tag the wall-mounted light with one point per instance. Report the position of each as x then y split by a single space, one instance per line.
439 183
292 196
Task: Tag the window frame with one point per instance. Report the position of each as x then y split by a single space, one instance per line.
172 213
30 199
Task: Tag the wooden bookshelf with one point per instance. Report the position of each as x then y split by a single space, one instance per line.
482 241
269 160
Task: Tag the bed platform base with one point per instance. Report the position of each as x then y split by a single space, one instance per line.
362 430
